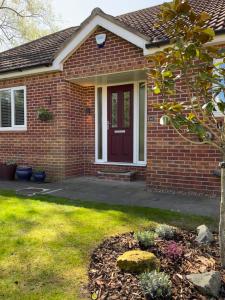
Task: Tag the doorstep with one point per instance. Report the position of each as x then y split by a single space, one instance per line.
117 175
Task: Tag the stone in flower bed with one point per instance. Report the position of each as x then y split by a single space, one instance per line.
204 235
137 261
208 283
109 282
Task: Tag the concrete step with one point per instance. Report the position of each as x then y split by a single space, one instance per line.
117 175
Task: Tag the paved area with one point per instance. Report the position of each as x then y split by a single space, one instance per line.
114 192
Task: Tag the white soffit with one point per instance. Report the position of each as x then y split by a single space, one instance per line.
113 78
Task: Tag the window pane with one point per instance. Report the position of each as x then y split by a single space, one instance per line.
222 94
19 107
126 109
141 121
5 112
99 118
114 109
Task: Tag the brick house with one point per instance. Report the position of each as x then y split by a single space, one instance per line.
103 120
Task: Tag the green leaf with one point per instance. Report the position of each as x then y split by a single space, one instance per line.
167 74
164 120
94 296
156 90
221 106
191 116
209 31
209 107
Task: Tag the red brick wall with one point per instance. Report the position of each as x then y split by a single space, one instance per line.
74 134
174 164
43 144
117 55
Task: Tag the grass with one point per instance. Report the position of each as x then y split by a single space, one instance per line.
46 242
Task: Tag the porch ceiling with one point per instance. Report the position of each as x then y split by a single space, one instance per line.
113 78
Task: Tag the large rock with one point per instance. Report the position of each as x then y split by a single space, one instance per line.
137 261
208 283
205 236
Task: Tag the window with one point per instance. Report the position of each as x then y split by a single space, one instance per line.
221 95
114 110
13 109
142 122
99 118
126 108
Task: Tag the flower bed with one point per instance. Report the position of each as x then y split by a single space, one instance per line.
107 281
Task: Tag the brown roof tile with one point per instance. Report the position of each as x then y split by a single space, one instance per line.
41 52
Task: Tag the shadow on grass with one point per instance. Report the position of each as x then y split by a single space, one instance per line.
157 215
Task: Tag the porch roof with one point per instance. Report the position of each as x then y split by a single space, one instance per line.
113 78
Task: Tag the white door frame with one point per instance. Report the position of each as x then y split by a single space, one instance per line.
104 159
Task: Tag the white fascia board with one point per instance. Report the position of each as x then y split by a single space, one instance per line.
34 71
153 50
84 33
219 39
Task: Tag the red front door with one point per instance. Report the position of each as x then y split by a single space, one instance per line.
120 123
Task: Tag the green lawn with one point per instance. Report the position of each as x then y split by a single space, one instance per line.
45 242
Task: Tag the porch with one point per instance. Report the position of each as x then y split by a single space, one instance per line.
115 108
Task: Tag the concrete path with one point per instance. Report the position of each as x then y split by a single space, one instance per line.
114 192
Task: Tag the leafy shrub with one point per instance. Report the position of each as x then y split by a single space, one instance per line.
156 285
174 250
44 114
145 238
165 231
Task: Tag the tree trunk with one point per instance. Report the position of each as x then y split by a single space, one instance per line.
222 215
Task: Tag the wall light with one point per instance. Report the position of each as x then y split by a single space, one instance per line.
87 111
100 40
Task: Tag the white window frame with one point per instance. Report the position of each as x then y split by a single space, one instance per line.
104 159
16 127
217 113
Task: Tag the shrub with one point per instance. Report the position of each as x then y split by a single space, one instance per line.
174 250
137 261
165 231
156 285
145 238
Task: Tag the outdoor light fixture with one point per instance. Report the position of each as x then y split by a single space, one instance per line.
87 111
100 40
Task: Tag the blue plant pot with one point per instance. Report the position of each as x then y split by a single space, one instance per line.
39 176
24 173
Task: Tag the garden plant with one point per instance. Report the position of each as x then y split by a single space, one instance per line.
192 61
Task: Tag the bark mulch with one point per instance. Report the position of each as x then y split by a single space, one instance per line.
107 281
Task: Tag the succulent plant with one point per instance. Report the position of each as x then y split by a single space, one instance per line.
174 250
156 285
145 238
165 231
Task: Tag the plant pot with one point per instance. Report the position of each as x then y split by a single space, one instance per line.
7 172
39 176
24 173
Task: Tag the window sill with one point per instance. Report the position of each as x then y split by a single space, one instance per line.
13 130
121 164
